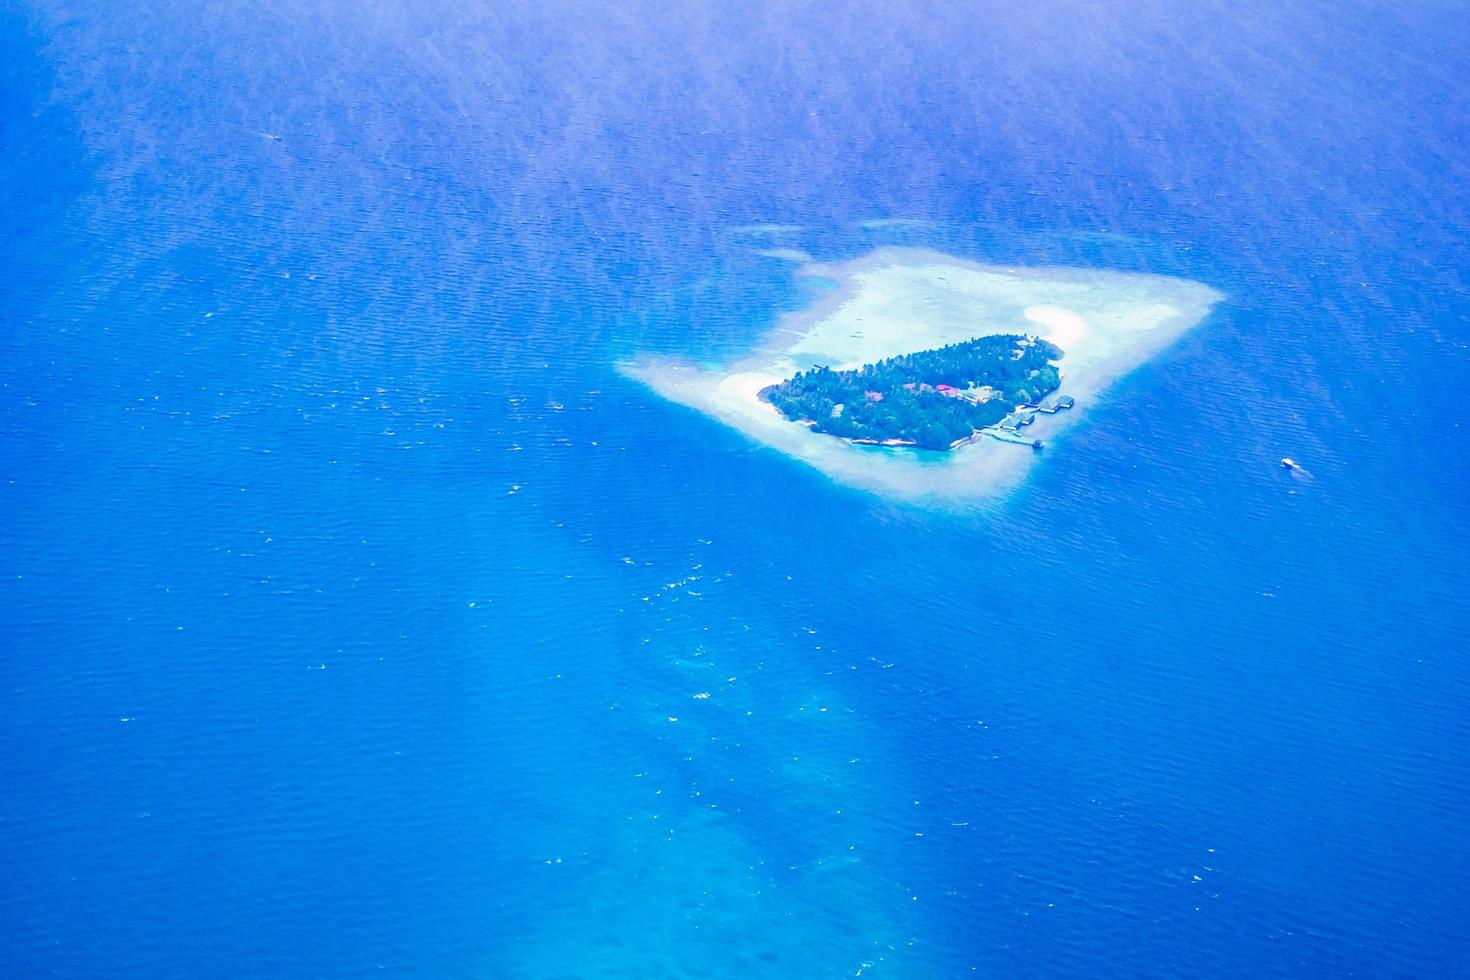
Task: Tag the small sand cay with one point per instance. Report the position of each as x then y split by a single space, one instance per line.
900 300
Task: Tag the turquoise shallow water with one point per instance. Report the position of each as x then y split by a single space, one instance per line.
355 608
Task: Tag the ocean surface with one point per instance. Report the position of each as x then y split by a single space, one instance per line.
358 617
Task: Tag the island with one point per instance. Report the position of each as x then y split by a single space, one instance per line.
911 316
934 399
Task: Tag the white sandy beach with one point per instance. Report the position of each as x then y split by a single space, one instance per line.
899 300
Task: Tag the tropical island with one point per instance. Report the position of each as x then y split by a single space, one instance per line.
932 399
856 334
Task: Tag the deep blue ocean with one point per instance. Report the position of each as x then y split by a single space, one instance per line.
354 608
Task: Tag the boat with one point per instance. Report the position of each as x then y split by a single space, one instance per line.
1287 463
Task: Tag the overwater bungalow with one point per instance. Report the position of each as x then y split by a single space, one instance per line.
1066 401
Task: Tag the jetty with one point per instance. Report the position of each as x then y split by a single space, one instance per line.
1001 435
1009 428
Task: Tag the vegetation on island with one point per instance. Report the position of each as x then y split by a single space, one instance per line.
930 399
